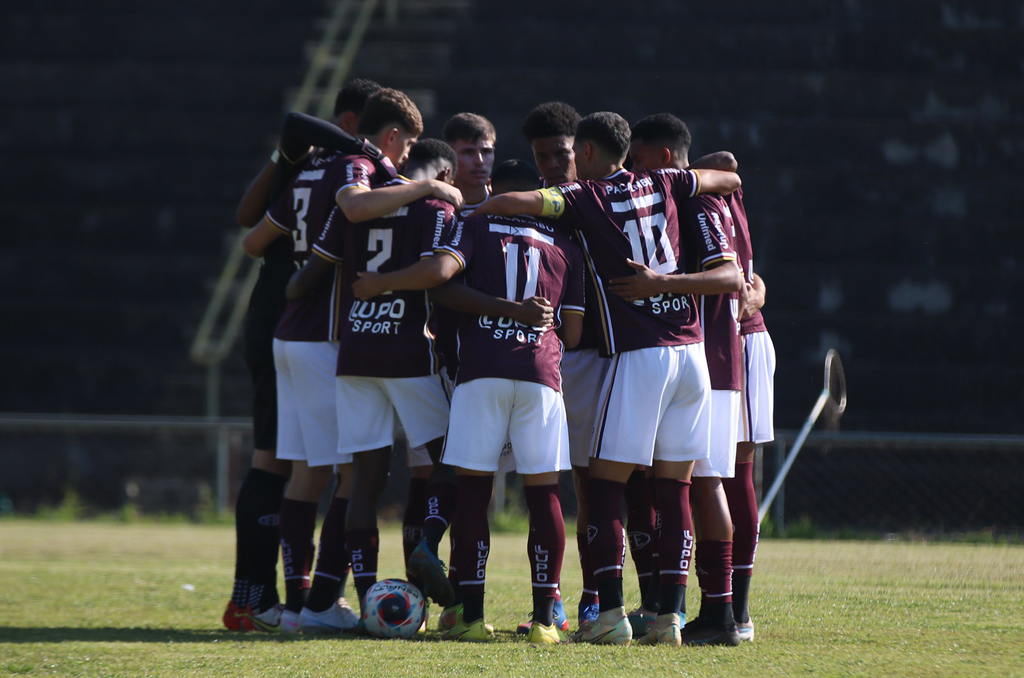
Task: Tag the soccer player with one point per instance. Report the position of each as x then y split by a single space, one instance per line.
658 142
757 427
472 136
336 182
655 398
259 497
508 387
386 363
550 128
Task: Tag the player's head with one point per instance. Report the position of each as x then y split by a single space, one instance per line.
473 137
550 129
351 101
391 121
514 175
660 141
601 144
431 159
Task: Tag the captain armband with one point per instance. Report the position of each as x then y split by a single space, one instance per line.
554 202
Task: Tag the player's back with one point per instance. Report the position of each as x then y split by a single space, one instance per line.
515 258
303 211
387 336
636 217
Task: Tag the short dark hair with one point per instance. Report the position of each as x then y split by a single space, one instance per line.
390 107
514 175
426 151
606 130
469 127
352 97
551 119
665 130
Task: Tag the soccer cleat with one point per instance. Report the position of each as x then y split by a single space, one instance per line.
745 630
641 620
235 618
701 632
335 619
289 623
560 620
268 620
610 628
474 632
664 631
449 617
546 635
429 569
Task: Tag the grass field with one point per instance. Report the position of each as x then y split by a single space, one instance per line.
103 599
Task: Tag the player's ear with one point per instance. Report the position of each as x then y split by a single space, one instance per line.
349 122
666 158
445 174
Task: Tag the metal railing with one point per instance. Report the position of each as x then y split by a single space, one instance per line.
226 433
888 463
819 478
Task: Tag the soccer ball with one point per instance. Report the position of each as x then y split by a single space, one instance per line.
393 609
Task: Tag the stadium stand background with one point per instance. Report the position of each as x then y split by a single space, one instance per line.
880 145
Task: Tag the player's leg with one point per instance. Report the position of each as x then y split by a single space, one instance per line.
713 519
756 426
641 534
326 609
369 476
540 444
366 429
478 430
415 501
422 407
583 375
742 498
683 438
259 497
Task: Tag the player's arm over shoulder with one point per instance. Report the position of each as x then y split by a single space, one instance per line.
716 181
532 203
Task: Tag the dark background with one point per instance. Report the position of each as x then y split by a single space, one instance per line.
881 146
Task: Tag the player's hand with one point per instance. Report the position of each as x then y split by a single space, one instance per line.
751 298
447 192
747 309
646 283
535 312
368 285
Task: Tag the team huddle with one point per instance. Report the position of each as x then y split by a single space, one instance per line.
574 316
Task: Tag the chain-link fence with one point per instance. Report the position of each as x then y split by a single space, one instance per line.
879 482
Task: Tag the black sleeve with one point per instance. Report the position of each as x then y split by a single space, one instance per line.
300 131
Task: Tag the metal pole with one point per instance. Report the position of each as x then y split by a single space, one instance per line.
780 476
223 445
779 515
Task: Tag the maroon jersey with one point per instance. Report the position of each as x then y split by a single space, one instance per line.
635 216
744 256
718 312
515 258
387 336
303 211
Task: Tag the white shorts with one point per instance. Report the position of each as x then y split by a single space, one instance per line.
417 456
655 404
725 416
367 407
487 412
757 416
307 427
583 374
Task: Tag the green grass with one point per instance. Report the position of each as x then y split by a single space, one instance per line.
108 599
